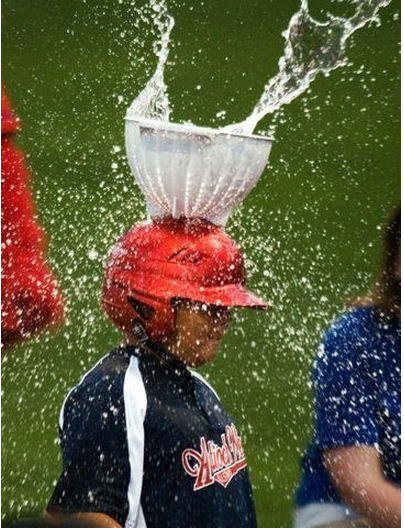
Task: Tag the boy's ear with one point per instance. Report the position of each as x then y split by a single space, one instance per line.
144 310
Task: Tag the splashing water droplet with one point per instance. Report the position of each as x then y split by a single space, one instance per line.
152 102
311 47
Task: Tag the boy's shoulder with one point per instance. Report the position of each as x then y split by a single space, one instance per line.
354 324
203 383
105 380
346 342
103 388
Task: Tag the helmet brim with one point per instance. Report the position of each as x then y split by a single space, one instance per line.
229 295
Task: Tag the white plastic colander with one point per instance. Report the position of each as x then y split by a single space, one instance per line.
190 171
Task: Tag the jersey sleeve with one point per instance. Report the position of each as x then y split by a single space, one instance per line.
345 408
30 297
102 438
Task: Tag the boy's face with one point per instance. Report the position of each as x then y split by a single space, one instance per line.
198 331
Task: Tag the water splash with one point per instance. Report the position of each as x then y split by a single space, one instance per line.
152 102
311 47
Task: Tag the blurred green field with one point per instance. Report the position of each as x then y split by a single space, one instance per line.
311 229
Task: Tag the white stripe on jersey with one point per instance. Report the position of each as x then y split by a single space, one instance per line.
135 410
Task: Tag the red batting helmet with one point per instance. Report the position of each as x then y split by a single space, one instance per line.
156 262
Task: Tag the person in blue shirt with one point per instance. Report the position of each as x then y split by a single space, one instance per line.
352 468
146 441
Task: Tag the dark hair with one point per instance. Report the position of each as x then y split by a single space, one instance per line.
386 292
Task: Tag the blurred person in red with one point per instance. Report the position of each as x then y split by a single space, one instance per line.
30 298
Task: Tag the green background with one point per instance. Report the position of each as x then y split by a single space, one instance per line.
310 230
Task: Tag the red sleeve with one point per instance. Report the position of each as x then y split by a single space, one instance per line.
9 122
30 298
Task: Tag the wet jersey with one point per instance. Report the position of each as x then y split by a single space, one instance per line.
148 442
357 378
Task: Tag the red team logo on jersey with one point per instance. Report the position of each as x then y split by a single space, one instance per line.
215 463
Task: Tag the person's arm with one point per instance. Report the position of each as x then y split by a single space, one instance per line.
356 474
102 439
97 520
30 297
84 520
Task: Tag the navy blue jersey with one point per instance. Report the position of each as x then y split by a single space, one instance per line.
148 442
357 378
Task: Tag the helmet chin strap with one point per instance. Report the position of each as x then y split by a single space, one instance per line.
151 347
139 331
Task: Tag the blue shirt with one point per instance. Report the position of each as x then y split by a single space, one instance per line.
357 381
148 442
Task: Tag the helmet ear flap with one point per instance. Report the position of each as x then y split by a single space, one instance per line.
145 311
153 318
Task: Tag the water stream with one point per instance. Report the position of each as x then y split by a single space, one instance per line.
311 47
152 102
